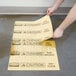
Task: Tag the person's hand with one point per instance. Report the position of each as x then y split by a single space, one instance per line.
50 11
58 33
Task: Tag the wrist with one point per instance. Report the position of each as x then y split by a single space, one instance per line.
61 28
54 8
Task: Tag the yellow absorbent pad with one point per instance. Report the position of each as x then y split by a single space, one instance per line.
30 47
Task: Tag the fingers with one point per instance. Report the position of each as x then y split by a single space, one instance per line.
49 12
53 36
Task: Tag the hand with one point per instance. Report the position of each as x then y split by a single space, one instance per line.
50 11
58 33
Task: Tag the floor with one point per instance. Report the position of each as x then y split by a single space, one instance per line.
66 47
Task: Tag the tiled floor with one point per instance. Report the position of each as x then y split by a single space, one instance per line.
66 48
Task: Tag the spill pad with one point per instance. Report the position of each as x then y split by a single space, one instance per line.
30 47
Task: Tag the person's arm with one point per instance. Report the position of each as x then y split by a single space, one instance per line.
54 7
71 17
